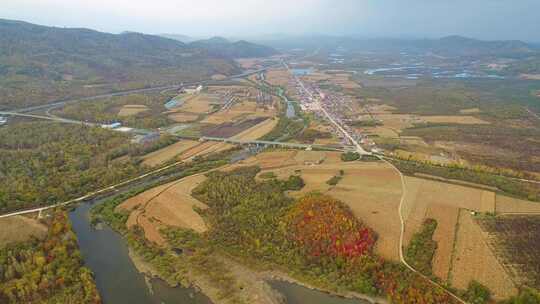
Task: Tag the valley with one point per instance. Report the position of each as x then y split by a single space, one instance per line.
221 171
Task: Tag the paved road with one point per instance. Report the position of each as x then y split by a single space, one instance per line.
53 118
94 193
359 148
269 143
61 103
402 233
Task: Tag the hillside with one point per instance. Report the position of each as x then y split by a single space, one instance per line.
451 45
221 47
179 37
39 64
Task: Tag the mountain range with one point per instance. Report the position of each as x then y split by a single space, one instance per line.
39 64
447 46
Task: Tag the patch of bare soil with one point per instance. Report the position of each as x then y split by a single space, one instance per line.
18 229
473 259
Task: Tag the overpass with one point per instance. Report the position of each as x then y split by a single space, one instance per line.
266 143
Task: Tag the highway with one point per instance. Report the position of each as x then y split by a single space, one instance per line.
270 143
61 103
71 121
53 118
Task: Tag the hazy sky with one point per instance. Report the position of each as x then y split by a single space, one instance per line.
488 19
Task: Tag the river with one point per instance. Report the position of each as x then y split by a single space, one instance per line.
105 252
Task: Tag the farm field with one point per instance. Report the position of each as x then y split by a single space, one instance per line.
223 117
462 253
197 104
465 119
257 131
278 77
182 117
230 129
371 190
203 149
515 239
444 235
18 229
163 155
473 259
130 110
510 205
167 205
243 109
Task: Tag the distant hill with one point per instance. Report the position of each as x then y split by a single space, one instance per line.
450 46
181 38
221 47
467 46
40 63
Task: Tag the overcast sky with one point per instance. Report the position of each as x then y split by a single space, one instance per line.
487 19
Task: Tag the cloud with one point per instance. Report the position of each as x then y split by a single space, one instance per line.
421 18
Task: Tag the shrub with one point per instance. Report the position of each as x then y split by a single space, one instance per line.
422 248
477 293
334 180
294 183
267 175
350 156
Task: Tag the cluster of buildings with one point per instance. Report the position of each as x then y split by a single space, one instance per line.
335 105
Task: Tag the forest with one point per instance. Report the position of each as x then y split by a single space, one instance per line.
44 163
420 252
105 111
47 271
315 239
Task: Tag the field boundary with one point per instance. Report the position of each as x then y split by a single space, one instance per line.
401 257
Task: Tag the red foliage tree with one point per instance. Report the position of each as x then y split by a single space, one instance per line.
324 226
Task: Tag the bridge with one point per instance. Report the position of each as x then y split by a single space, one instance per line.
266 143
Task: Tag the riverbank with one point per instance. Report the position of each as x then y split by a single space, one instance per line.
280 276
252 288
253 285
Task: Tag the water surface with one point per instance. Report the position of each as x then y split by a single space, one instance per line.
105 252
296 294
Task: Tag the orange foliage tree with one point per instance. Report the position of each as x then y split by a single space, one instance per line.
324 226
